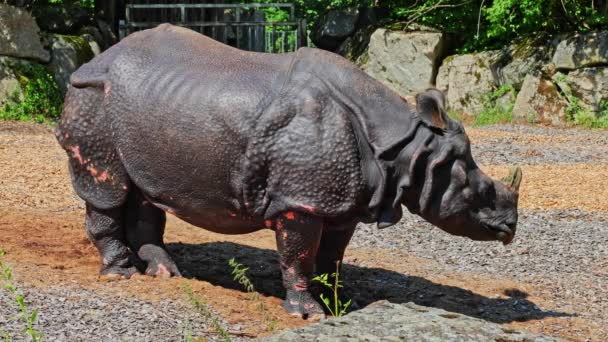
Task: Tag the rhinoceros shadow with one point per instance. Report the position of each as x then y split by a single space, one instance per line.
365 285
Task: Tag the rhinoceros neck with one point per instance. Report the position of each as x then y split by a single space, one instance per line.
383 122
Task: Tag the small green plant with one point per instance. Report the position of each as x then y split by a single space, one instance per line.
28 317
496 113
338 309
239 274
42 100
202 308
577 113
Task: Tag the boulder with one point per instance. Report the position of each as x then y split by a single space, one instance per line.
582 51
109 38
539 100
466 80
95 33
68 54
404 61
519 59
591 86
20 35
334 27
356 45
384 321
10 87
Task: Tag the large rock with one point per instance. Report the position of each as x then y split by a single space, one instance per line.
19 35
334 27
405 61
591 86
68 54
581 51
519 59
467 79
539 100
384 321
10 87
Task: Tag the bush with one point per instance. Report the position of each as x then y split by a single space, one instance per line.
42 100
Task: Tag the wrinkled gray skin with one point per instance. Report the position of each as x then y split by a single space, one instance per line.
305 144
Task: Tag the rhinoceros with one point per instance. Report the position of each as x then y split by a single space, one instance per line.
303 143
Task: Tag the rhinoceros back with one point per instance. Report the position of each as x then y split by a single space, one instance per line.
178 108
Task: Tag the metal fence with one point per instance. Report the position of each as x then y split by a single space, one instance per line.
241 25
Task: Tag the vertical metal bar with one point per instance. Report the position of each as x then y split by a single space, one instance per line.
183 13
273 39
238 27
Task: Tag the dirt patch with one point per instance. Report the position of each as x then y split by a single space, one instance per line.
41 227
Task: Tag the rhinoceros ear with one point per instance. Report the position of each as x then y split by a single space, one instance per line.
430 108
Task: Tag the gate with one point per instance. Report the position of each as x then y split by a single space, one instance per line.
243 26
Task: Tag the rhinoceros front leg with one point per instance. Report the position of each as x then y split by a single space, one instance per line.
104 228
298 238
145 227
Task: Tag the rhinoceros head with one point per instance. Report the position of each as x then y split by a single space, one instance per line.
446 187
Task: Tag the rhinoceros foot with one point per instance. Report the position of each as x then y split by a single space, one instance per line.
302 304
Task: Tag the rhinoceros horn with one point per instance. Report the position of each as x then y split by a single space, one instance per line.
513 180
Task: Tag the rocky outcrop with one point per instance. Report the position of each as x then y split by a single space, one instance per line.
591 86
20 35
405 322
582 51
332 28
540 100
10 87
466 79
405 61
68 54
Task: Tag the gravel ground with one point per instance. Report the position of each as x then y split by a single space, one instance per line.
71 313
507 144
562 250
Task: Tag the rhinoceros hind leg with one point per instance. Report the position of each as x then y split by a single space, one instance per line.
104 228
297 241
145 228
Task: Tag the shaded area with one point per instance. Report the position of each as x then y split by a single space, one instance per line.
209 262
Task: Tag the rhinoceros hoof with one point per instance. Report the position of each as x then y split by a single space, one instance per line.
303 305
163 270
118 272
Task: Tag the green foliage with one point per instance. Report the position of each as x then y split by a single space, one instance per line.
577 113
337 308
203 309
87 4
239 274
42 100
28 317
497 113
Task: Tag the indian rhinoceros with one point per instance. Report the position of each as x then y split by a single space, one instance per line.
304 143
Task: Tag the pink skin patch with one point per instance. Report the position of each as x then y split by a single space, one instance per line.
308 208
268 223
300 287
308 306
303 255
104 176
279 225
162 271
124 187
107 89
284 235
290 215
66 135
231 214
293 302
291 270
76 154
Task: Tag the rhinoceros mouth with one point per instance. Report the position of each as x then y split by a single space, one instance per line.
503 232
